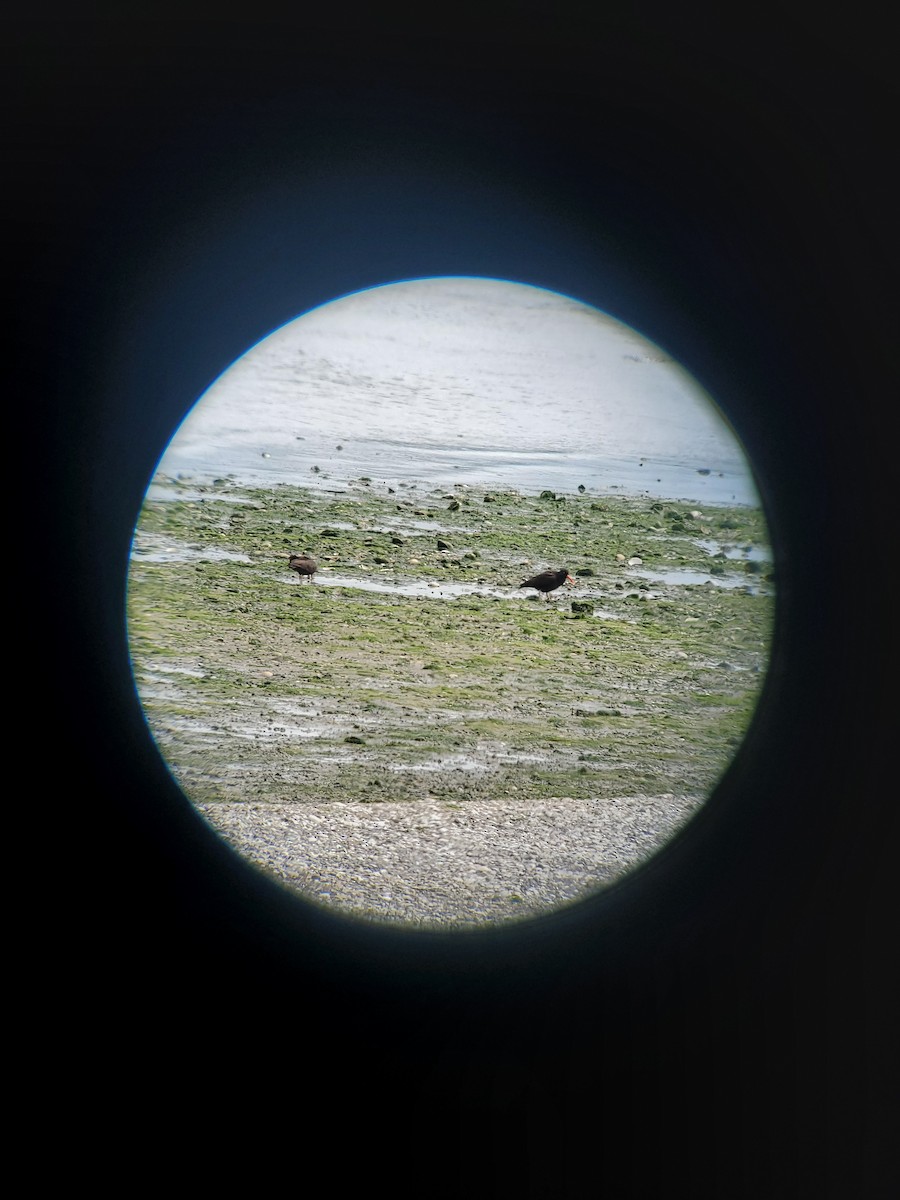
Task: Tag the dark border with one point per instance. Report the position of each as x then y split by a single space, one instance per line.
188 182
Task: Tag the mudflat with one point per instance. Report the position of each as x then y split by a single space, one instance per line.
413 737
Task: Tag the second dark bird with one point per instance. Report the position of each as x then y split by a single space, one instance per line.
548 581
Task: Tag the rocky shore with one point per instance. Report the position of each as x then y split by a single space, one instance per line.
412 737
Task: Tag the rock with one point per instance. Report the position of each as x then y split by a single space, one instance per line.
442 545
583 608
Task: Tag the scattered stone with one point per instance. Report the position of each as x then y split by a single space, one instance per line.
320 829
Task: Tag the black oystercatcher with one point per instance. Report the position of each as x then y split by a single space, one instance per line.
548 581
305 566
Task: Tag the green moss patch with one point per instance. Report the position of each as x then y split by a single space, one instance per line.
253 683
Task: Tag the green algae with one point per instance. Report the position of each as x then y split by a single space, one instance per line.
486 693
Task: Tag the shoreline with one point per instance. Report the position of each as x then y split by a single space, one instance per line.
527 472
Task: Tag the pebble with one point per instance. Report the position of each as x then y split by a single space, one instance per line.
424 863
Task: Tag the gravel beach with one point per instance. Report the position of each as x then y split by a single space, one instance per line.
446 864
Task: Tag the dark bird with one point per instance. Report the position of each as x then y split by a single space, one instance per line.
548 581
305 566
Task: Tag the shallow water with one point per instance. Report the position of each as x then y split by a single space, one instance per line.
464 380
692 577
149 548
453 591
746 553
